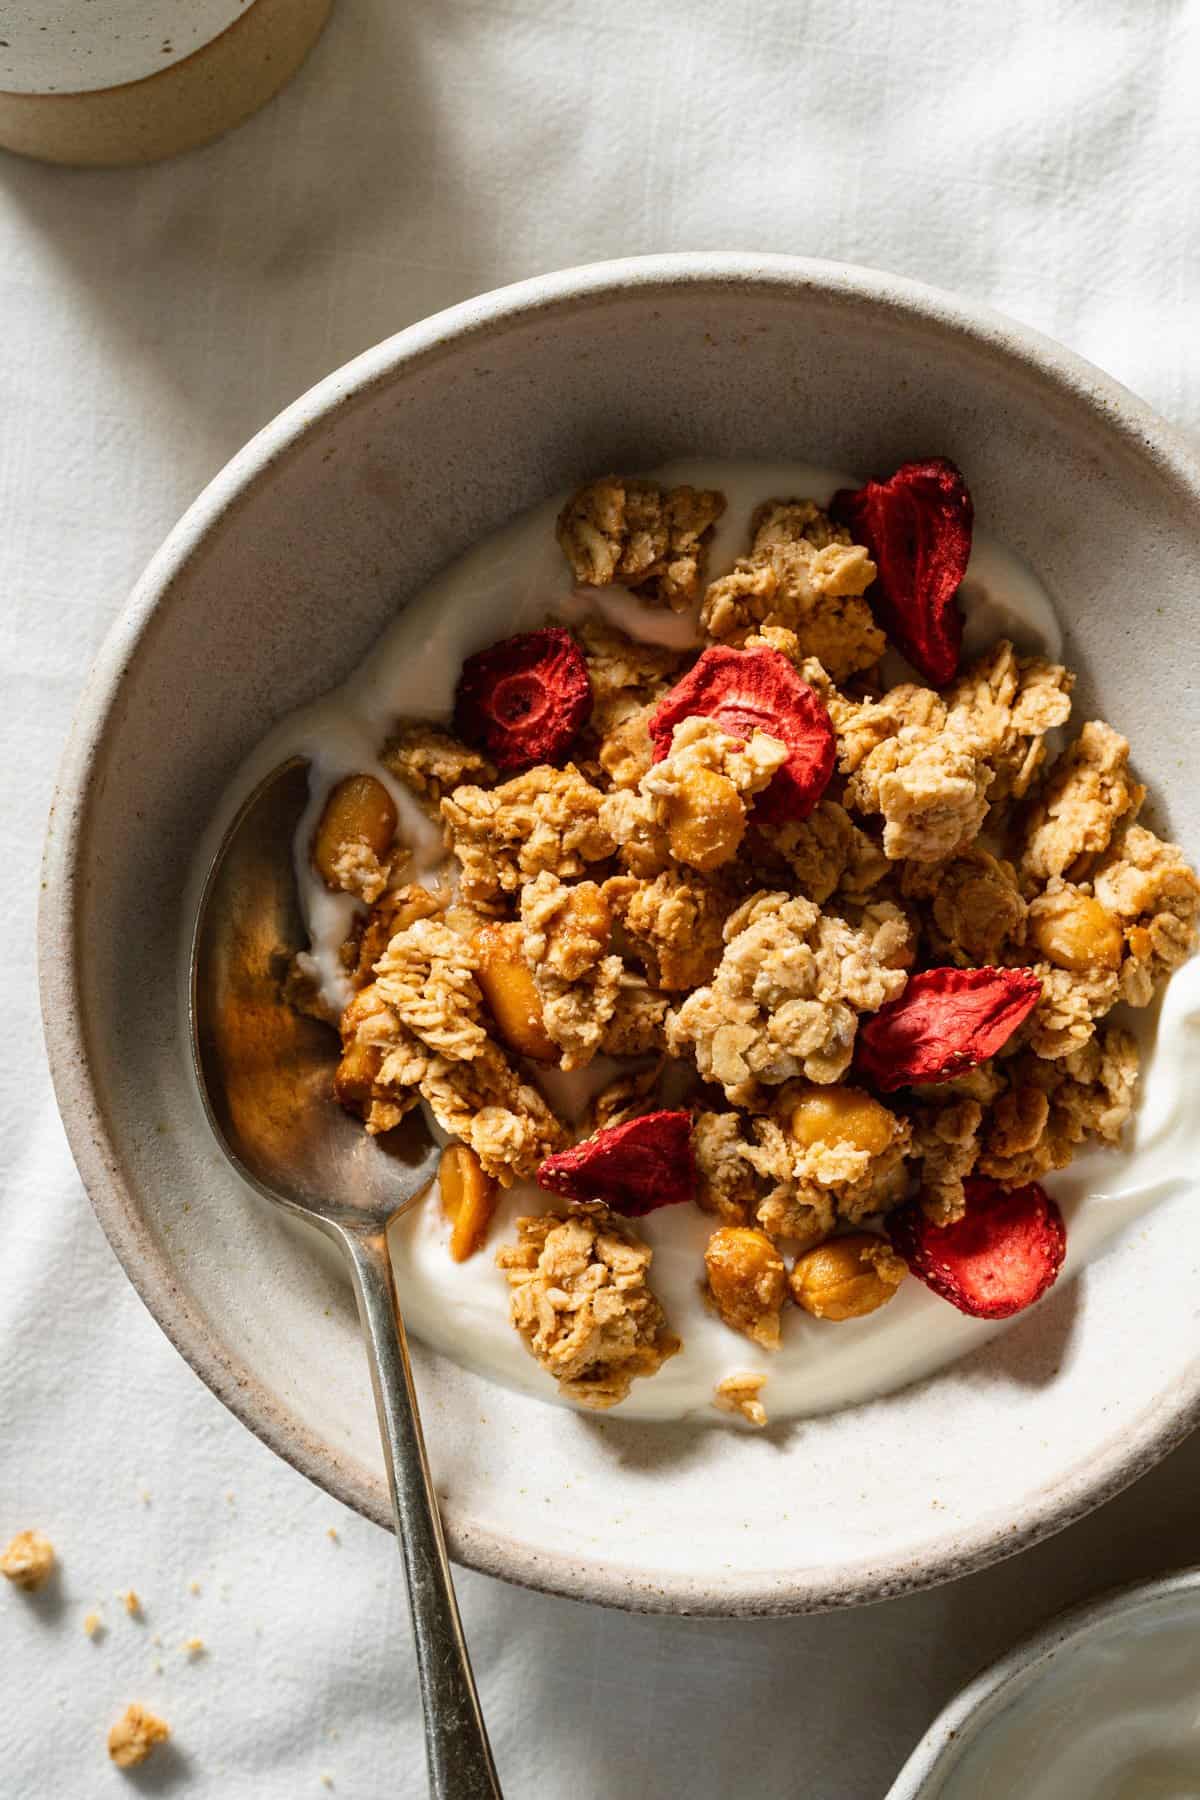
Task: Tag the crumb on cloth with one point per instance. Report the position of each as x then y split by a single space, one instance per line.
134 1736
28 1560
740 1394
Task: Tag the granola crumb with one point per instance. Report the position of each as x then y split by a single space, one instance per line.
628 1097
193 1586
357 870
331 1534
132 1603
195 1646
28 1560
93 1625
1065 1016
134 1736
828 853
739 1394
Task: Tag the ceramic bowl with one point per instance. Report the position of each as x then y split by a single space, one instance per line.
1101 1699
273 586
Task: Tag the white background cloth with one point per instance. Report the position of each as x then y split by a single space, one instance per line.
1040 155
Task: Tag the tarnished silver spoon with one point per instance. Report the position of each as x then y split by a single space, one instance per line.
265 1073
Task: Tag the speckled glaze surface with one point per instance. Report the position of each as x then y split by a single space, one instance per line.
191 88
75 46
273 586
1002 1689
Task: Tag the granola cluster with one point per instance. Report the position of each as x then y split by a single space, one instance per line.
415 1032
432 763
700 898
787 993
802 572
934 767
504 836
637 535
581 1302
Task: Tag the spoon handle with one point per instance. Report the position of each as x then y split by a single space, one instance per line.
456 1741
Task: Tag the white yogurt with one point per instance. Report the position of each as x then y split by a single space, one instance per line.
515 581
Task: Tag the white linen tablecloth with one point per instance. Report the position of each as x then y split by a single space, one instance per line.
1041 156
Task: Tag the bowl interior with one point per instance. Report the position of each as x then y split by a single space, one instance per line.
274 586
1110 1685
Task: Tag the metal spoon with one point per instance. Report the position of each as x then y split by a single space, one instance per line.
264 1073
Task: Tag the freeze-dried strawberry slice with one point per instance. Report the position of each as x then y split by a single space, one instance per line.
633 1168
996 1260
945 1022
745 691
917 527
524 699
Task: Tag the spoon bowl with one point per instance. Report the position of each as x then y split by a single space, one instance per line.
266 1069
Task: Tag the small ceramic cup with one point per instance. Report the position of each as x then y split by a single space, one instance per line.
106 82
1100 1700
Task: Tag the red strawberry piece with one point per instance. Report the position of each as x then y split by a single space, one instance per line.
744 691
633 1168
945 1022
1000 1257
917 527
523 700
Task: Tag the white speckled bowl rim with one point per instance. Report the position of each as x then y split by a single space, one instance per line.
1064 378
963 1720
